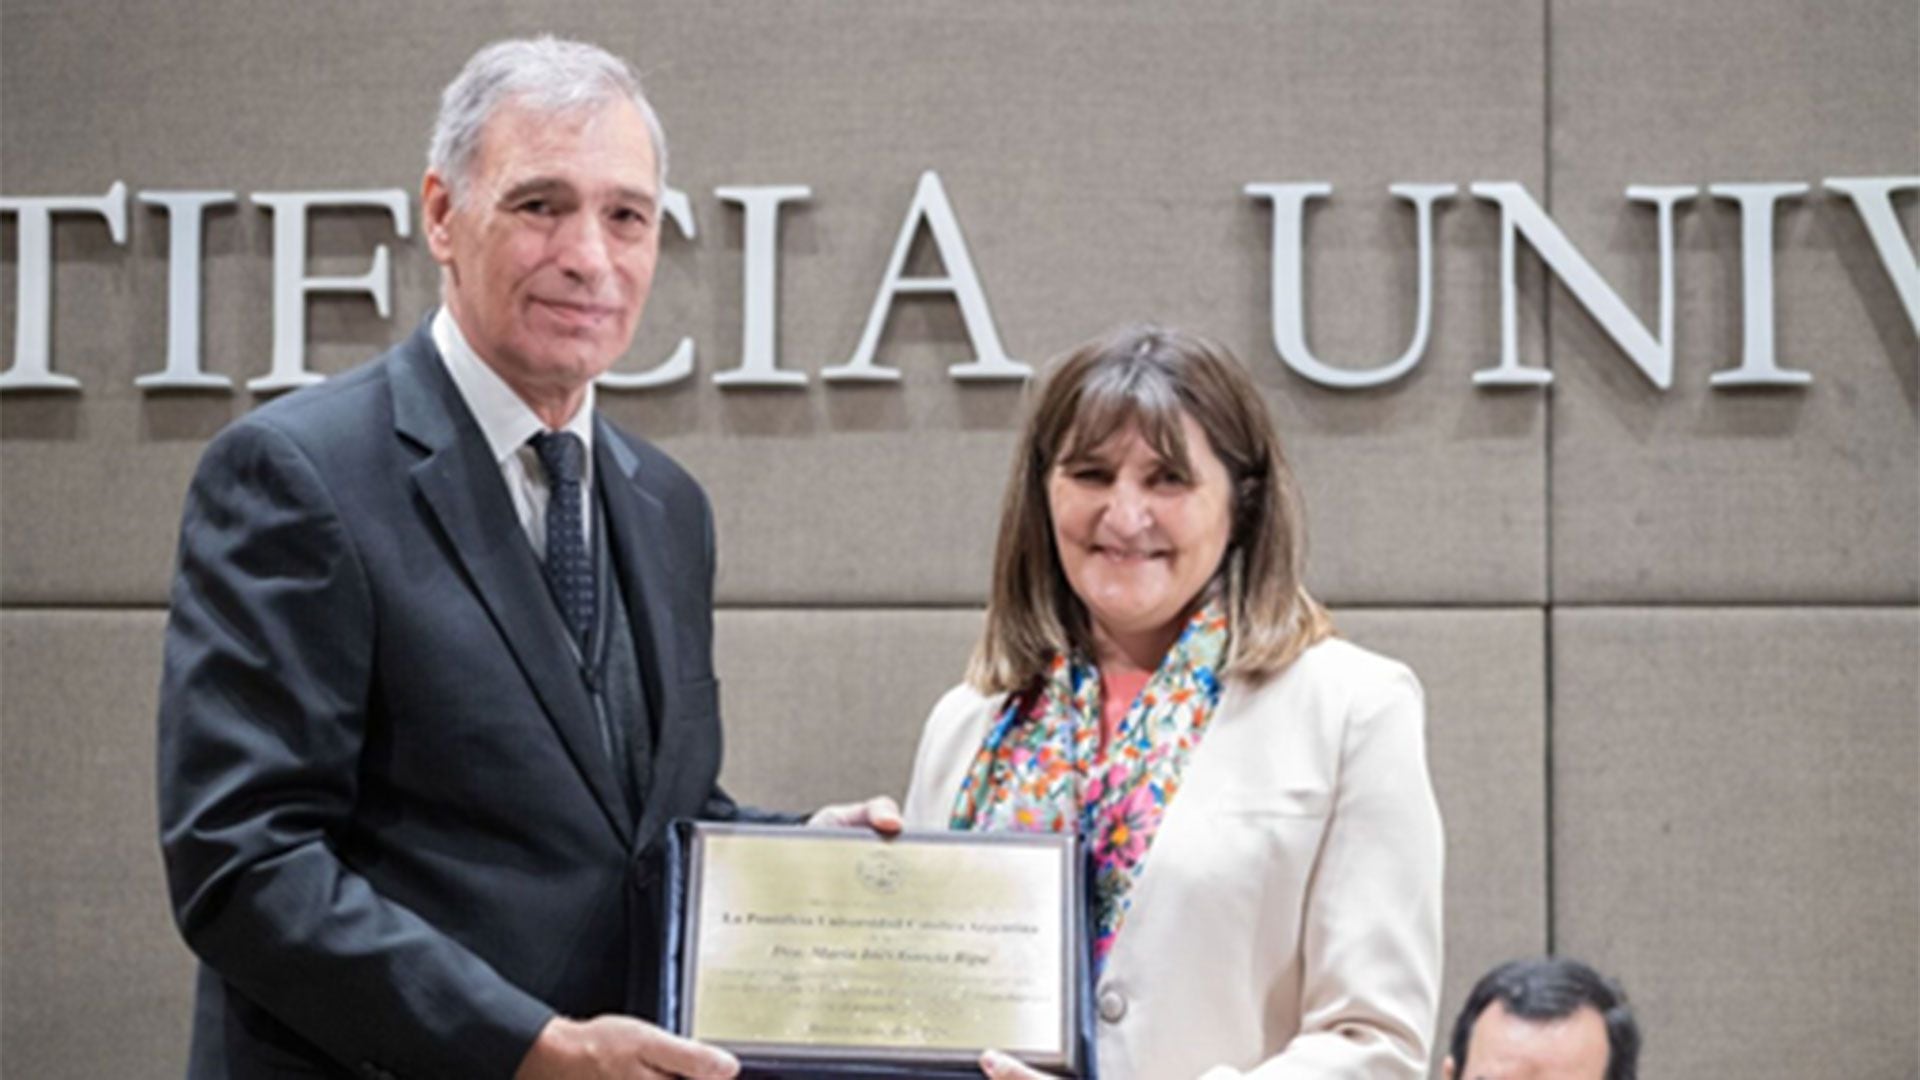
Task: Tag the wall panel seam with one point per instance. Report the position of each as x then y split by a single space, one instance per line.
1546 482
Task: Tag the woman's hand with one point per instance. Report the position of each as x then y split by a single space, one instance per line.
998 1066
880 813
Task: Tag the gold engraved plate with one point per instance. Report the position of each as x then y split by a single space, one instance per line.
836 944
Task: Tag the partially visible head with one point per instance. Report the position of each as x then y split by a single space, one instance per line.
541 202
1545 1019
1147 477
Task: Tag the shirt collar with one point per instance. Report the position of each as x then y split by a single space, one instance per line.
505 420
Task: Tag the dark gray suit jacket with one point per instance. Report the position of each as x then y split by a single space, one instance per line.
392 834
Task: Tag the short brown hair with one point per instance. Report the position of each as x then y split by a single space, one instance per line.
1150 376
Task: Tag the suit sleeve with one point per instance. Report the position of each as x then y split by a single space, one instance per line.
1371 944
263 719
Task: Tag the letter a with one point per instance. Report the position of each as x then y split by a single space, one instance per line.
990 359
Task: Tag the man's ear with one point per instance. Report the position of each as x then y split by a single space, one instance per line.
1446 1068
436 212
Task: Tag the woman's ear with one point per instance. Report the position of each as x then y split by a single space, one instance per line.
1248 492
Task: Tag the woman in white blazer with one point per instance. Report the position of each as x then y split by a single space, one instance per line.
1154 676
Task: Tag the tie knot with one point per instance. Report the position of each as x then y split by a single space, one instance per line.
561 454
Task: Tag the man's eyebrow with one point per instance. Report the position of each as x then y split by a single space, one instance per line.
644 196
551 185
539 185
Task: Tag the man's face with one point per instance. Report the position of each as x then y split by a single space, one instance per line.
1507 1047
549 250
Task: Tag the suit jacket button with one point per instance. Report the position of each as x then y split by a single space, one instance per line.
1112 1006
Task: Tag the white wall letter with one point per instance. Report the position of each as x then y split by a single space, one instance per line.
291 285
1520 214
1289 281
1873 198
1757 365
32 367
679 363
990 359
760 309
185 210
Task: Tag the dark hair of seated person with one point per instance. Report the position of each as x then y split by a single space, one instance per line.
1553 988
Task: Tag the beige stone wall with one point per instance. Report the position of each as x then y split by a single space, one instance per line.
1671 640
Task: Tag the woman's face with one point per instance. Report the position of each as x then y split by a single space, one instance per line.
1138 538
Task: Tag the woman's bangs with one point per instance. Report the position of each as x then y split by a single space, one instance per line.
1118 396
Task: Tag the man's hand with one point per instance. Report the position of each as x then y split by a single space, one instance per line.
997 1066
619 1048
880 813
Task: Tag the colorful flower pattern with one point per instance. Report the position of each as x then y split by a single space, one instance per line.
1041 768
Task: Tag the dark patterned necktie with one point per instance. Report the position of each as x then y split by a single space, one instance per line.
569 570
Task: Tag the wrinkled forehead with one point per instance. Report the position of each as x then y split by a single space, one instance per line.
599 137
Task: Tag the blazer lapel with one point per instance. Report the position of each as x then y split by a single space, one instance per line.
462 486
638 525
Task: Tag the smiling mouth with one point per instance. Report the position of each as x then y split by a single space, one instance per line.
1127 555
582 314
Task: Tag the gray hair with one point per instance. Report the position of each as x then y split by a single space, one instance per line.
546 73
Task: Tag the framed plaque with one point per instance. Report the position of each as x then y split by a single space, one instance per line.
836 953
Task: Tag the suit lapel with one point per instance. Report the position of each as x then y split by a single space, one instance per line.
462 487
637 524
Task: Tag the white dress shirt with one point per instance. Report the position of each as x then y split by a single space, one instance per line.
508 422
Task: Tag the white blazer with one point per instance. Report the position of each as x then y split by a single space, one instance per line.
1287 923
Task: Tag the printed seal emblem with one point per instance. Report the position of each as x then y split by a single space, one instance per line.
879 871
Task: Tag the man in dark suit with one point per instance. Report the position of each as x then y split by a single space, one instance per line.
438 667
